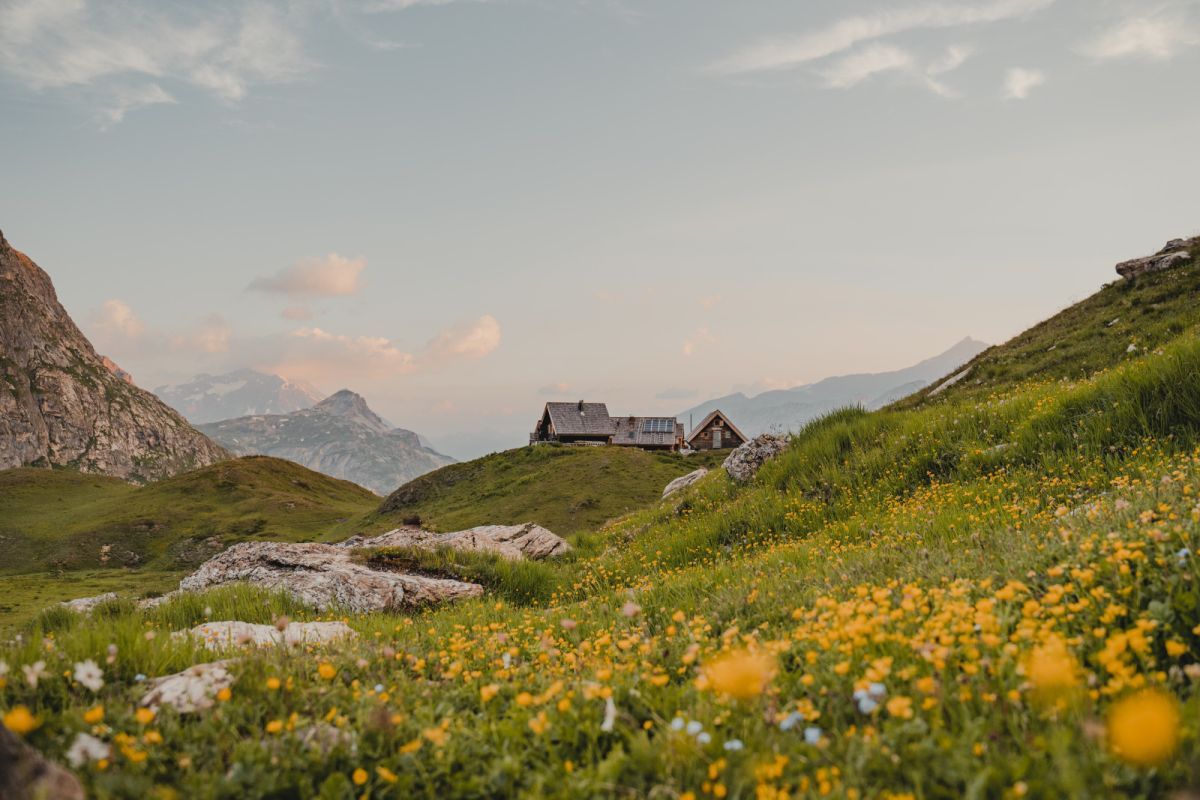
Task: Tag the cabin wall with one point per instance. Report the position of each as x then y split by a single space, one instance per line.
704 440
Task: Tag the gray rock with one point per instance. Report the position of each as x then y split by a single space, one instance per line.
323 576
745 461
684 481
26 775
514 542
61 404
224 634
194 689
1176 253
84 605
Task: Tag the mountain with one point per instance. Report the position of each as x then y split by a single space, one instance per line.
61 404
339 436
210 398
790 409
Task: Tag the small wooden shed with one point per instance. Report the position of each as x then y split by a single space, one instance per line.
715 432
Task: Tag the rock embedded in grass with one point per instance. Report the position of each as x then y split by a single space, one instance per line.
194 689
220 635
324 576
684 481
514 542
745 461
85 605
26 775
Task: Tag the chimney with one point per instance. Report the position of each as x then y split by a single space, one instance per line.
580 406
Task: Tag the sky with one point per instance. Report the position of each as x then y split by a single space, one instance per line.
464 208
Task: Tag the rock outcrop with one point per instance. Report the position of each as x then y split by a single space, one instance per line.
61 405
85 605
1175 253
684 481
339 436
514 542
323 576
194 689
26 775
745 462
220 635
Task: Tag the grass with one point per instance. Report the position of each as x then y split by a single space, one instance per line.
952 598
565 489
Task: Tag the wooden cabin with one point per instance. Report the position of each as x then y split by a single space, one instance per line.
585 423
715 432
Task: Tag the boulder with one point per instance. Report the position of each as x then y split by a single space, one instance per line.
84 605
323 576
194 689
1176 253
26 775
745 462
220 635
514 542
684 481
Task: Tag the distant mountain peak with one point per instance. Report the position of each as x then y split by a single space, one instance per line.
352 405
242 392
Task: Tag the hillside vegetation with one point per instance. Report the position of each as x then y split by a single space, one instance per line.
566 489
988 595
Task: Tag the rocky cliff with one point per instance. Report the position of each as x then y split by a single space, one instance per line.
340 436
62 405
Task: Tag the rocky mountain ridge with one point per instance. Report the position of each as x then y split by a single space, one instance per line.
340 436
789 409
63 405
241 393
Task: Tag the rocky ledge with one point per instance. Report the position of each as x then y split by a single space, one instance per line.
1175 253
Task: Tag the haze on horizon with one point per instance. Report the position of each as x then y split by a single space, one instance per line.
462 208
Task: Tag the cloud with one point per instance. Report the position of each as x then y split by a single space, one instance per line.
710 302
700 337
297 313
330 276
1156 38
125 51
1019 82
465 342
116 318
877 58
212 336
554 389
791 52
316 355
676 394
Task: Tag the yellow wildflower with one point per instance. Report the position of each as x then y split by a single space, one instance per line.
94 715
741 675
1143 729
144 716
360 776
20 720
274 726
326 670
486 693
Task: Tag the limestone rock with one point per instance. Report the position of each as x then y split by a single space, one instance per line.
84 605
194 689
61 405
323 739
1176 253
322 576
26 775
514 542
684 481
745 461
220 635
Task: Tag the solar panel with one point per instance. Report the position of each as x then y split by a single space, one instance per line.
658 425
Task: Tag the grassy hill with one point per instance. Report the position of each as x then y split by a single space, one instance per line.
566 489
1088 337
990 594
65 534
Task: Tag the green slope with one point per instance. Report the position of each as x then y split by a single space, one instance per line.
1090 336
64 520
1002 574
566 489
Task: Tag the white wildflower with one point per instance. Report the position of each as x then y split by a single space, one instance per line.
34 672
610 715
86 748
89 674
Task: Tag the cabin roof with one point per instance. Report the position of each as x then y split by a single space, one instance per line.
712 415
580 419
647 431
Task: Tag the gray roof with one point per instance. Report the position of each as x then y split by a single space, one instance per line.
631 431
580 419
